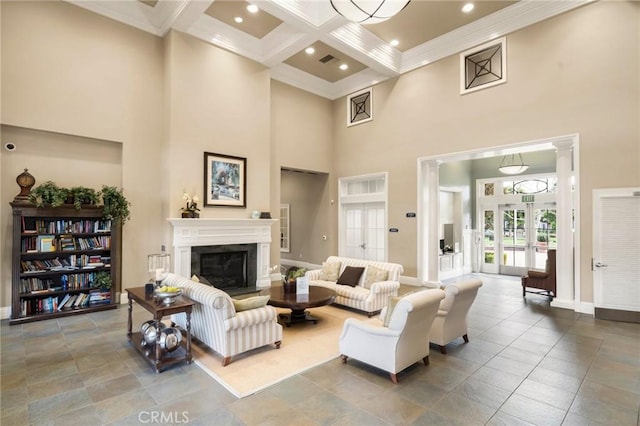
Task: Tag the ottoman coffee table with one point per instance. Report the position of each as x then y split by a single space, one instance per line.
298 303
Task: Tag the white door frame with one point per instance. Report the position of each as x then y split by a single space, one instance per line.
344 199
568 264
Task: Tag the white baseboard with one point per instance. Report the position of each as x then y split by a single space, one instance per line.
299 264
587 308
563 303
5 312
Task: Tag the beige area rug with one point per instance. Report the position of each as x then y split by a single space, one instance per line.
304 345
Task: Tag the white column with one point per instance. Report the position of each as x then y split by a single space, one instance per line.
431 242
565 297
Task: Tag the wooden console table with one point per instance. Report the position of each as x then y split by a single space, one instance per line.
155 355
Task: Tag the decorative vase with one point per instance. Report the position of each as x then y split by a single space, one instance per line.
190 215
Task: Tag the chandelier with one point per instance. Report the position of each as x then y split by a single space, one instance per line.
368 11
511 166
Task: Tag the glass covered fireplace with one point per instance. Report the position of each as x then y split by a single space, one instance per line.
230 267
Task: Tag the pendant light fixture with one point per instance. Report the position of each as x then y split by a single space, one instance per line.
368 11
511 166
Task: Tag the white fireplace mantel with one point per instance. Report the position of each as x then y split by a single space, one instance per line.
188 233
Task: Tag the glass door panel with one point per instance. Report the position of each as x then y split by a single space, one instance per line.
489 259
545 231
514 237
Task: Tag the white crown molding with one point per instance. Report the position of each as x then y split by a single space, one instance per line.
165 14
282 43
365 47
134 14
504 21
306 21
223 35
302 80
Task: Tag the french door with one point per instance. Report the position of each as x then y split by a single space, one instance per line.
517 237
364 231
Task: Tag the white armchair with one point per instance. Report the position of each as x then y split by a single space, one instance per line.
451 320
399 345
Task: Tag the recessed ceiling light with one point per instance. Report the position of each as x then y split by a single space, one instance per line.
238 19
394 42
467 7
344 67
252 8
310 50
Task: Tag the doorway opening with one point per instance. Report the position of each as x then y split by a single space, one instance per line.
566 212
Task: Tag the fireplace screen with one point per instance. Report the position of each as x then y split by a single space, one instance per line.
227 267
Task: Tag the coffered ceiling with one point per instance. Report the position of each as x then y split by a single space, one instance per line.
346 56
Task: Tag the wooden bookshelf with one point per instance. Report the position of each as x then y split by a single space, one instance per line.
57 253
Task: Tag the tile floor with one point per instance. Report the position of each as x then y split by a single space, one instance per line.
526 363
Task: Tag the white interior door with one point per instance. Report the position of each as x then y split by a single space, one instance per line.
364 230
616 249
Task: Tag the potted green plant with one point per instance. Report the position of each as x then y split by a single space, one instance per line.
102 280
48 193
289 281
115 205
81 195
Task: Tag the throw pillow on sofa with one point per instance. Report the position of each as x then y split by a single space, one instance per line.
350 276
374 275
330 271
250 303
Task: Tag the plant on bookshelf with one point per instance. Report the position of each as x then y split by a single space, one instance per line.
82 195
48 193
115 204
102 281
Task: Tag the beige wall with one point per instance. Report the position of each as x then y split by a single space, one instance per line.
165 101
563 78
301 134
68 71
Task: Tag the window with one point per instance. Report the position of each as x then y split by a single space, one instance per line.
284 228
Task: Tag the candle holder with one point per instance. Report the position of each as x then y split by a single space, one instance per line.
159 267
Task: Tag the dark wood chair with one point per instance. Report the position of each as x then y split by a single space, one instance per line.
544 281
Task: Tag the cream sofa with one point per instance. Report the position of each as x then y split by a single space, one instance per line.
215 322
370 300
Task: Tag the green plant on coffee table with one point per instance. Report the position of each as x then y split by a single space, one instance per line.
82 195
102 280
115 205
48 193
294 272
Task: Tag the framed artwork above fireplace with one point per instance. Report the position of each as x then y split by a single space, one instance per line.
225 180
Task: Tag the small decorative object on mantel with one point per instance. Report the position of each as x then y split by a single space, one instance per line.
265 215
191 209
25 181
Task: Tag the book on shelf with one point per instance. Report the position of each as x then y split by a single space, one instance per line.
64 300
46 243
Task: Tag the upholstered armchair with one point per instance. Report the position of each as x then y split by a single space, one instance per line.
402 343
451 319
215 322
544 281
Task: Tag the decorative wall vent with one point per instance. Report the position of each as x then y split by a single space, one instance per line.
360 107
483 66
327 58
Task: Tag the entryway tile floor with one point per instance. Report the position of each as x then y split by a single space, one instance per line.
526 363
